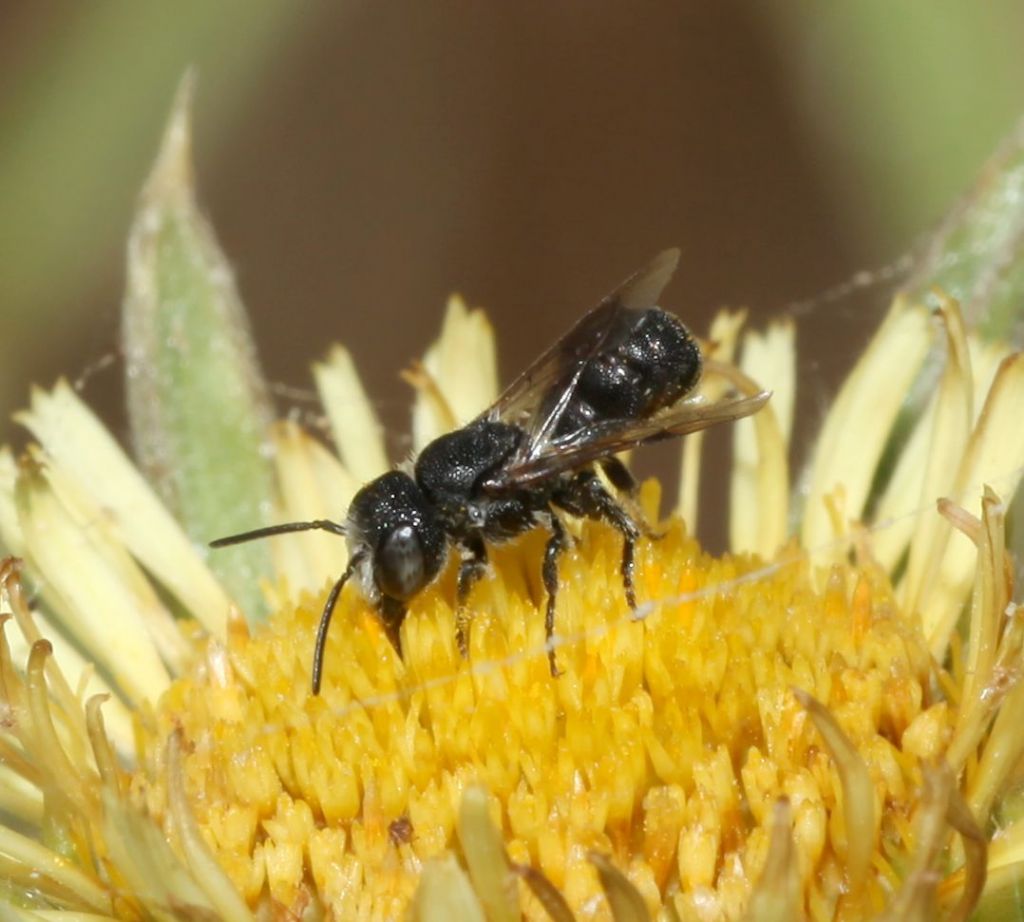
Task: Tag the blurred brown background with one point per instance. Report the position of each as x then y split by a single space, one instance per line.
360 161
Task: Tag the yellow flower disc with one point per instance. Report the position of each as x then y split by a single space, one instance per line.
664 744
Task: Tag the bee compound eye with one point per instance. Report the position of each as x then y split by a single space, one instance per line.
399 567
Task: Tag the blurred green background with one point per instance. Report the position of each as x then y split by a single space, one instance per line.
360 161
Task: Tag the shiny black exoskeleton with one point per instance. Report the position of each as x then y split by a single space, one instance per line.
616 380
655 363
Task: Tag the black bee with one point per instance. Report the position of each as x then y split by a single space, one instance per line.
616 380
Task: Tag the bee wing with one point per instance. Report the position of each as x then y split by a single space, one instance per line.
537 398
611 436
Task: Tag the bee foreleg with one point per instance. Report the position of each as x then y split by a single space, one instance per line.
472 567
392 614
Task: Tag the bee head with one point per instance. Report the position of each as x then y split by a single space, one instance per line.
392 521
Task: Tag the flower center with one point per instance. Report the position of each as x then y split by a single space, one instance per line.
665 742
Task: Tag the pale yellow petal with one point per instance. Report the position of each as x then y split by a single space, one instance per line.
49 865
206 872
993 650
725 331
150 611
445 894
485 855
80 674
1004 884
292 568
759 486
897 512
462 365
314 485
950 428
19 798
92 583
776 895
989 606
432 415
64 915
81 448
141 853
769 357
357 431
859 810
995 455
860 421
1008 850
463 361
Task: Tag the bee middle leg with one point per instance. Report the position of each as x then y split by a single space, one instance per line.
585 495
473 566
556 545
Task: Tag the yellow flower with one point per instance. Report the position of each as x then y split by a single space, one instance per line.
797 728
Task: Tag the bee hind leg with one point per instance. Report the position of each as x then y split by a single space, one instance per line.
620 477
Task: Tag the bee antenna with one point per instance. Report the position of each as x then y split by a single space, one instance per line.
315 524
325 620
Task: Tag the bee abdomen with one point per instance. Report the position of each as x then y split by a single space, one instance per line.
653 367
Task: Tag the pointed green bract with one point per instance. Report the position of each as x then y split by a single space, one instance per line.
197 402
977 256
